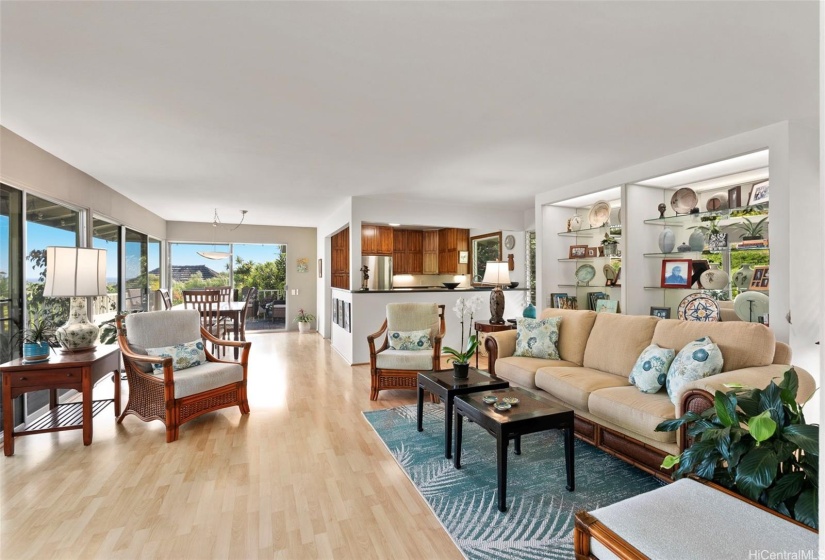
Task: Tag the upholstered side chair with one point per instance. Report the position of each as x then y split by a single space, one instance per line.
398 369
175 397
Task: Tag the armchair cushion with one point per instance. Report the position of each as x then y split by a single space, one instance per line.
412 317
184 356
404 359
410 340
163 328
206 377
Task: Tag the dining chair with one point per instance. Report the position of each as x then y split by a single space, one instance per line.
166 297
208 303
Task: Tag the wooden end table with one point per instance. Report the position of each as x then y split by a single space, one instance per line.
488 327
443 385
77 370
532 414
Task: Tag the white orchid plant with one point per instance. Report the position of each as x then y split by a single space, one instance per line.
462 309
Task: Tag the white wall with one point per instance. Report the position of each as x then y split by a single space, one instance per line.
300 243
25 166
331 225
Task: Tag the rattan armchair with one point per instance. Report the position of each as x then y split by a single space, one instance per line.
175 397
398 369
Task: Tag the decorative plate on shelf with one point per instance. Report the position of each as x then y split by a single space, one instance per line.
684 200
749 306
698 307
585 273
599 214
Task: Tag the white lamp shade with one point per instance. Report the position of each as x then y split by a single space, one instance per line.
75 271
496 273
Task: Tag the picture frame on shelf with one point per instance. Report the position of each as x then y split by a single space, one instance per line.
735 197
677 273
555 299
609 275
759 193
699 266
594 297
660 312
577 252
607 306
761 278
592 252
569 302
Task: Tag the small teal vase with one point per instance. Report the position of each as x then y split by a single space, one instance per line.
529 311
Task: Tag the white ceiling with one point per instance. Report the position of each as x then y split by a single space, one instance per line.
285 109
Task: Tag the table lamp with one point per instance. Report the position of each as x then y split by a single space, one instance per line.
77 273
497 273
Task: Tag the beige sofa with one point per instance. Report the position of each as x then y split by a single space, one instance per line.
597 353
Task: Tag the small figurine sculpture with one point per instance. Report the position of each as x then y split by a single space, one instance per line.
662 209
365 276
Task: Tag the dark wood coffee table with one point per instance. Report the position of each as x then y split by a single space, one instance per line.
446 387
532 414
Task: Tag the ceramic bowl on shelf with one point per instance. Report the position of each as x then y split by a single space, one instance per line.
684 200
450 285
513 285
599 214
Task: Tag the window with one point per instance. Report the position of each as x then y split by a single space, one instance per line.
484 248
154 256
11 262
136 270
106 235
191 270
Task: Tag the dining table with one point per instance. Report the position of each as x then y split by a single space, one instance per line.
230 310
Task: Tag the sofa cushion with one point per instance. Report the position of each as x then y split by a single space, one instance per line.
573 385
404 359
537 338
410 340
573 332
701 358
205 377
742 344
650 371
522 371
634 411
616 342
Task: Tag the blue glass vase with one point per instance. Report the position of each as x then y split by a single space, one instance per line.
529 311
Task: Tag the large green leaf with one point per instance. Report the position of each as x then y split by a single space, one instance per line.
805 509
769 399
673 425
756 472
701 426
738 449
762 426
695 454
790 381
806 436
670 461
749 401
707 467
725 406
786 487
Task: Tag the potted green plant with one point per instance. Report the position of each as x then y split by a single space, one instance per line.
461 358
304 320
610 245
39 335
751 230
755 442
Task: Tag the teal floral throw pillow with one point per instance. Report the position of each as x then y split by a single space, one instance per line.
189 354
410 340
538 338
650 371
700 358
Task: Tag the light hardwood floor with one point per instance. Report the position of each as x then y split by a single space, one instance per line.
303 476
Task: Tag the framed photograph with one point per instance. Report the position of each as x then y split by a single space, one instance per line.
592 252
594 297
568 302
759 193
660 312
699 266
677 273
340 321
320 268
555 299
735 197
578 251
335 311
303 265
463 257
347 310
607 306
761 278
717 241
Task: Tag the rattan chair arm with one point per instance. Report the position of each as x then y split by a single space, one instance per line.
371 339
222 341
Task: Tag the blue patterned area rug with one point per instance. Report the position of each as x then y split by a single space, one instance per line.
539 520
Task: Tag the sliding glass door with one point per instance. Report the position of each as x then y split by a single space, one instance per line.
106 235
11 262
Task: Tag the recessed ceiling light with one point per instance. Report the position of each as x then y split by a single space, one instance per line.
395 225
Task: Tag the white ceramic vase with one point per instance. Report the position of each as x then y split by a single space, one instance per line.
714 278
303 327
742 277
667 240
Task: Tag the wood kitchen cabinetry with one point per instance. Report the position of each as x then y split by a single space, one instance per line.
407 255
452 241
430 252
340 260
376 240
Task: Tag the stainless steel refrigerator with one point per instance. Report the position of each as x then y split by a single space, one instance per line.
380 272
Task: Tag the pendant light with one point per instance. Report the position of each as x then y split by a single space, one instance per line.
214 254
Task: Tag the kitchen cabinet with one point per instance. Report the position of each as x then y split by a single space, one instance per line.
340 260
451 242
376 240
407 252
430 252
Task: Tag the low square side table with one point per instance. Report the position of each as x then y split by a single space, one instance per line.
532 414
446 387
